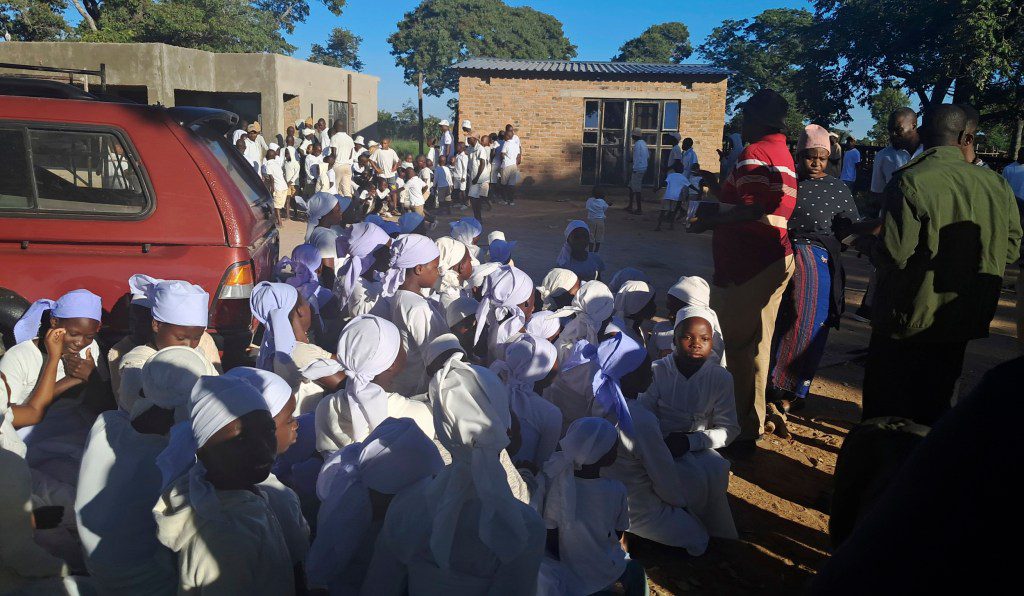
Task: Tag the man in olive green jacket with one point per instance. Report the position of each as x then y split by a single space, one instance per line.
950 230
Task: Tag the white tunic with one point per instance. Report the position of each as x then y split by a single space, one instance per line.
540 424
334 420
119 482
22 363
419 322
284 503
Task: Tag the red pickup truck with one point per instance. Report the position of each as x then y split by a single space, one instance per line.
92 191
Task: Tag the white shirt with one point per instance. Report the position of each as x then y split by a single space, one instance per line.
427 175
326 180
1014 174
22 363
443 176
343 146
689 160
640 156
291 167
239 133
447 143
703 406
850 160
334 429
510 151
274 168
414 189
312 164
480 154
460 169
325 139
887 161
674 185
386 160
324 239
596 208
252 154
419 322
676 154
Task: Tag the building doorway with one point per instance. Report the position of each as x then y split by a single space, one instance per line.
607 124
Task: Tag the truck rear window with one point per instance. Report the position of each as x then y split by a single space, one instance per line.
51 171
242 174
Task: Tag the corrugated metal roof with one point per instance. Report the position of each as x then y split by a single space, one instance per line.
590 68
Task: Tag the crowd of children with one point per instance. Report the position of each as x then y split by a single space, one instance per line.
422 417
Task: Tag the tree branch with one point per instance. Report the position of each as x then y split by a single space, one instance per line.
85 15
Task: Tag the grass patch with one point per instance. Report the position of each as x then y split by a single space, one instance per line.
406 146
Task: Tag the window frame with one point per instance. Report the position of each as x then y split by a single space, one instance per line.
33 212
657 149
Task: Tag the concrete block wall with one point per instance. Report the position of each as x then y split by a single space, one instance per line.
548 117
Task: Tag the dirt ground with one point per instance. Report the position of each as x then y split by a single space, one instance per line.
780 495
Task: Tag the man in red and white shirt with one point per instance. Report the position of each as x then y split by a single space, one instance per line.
752 254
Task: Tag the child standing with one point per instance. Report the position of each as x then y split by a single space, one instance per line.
675 183
443 178
596 208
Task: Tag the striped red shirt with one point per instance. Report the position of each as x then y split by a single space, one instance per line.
764 175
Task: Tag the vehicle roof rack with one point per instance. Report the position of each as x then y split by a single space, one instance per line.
28 87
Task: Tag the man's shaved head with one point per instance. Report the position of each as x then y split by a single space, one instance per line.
943 125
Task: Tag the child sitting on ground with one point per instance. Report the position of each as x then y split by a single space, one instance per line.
576 256
596 208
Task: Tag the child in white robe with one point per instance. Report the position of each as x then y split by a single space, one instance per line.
364 253
634 306
558 288
693 397
506 303
370 356
455 268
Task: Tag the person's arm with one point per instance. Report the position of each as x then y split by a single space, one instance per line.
31 412
723 425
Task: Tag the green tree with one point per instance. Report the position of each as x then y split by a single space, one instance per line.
778 49
342 50
882 104
667 42
438 33
32 20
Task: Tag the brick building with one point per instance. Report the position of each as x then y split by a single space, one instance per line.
575 118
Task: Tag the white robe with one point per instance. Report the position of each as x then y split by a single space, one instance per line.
243 553
419 322
119 482
704 407
284 503
540 424
654 486
334 420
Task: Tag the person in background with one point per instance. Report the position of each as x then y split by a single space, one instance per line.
273 176
597 208
575 256
443 184
835 157
359 148
851 163
312 163
904 144
479 173
327 180
511 156
460 169
387 161
416 191
973 120
676 154
323 135
1014 174
639 157
728 159
342 150
254 153
292 169
446 146
675 184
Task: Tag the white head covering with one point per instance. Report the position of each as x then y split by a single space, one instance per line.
444 123
318 206
472 419
275 390
73 305
467 125
585 442
466 230
626 274
360 242
452 252
692 290
172 301
273 146
367 347
480 273
459 309
395 456
631 298
543 324
593 305
406 252
408 222
564 257
271 303
526 360
717 344
168 378
503 292
441 344
556 282
358 140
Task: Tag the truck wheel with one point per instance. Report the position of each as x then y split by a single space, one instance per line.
12 306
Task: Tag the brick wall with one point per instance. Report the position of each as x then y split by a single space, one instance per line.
548 116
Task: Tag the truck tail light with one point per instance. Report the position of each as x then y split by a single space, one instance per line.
237 281
231 306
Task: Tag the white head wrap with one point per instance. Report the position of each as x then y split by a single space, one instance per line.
585 442
544 324
459 309
367 347
452 252
503 292
564 257
361 241
472 419
480 273
466 230
441 344
626 274
692 290
271 303
557 282
395 456
631 298
75 304
527 360
275 390
407 252
318 206
593 305
168 378
174 302
717 343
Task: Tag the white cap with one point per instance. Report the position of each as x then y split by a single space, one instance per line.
444 123
358 140
372 144
273 146
467 124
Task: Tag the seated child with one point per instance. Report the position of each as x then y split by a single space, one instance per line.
575 255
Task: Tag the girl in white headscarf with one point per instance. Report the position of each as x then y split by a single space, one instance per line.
695 291
528 366
729 159
635 305
545 325
326 213
506 303
467 230
558 288
226 538
370 355
119 480
365 248
463 532
356 485
455 269
574 255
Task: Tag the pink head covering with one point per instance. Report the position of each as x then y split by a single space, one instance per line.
814 137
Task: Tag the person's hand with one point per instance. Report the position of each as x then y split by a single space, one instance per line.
79 368
54 342
678 444
721 153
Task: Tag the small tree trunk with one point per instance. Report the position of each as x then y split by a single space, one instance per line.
1017 138
85 15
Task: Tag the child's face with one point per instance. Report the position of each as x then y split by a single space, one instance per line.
166 335
693 339
579 239
428 274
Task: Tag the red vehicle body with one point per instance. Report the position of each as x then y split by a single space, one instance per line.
203 215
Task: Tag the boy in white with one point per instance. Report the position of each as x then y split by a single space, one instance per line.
327 175
387 160
596 208
447 144
675 184
693 397
273 174
460 170
415 192
443 184
585 514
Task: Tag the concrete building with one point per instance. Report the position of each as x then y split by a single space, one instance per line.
276 90
574 118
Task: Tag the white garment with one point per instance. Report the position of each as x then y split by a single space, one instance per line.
419 322
654 487
689 160
327 180
674 185
21 365
887 161
254 154
414 191
334 420
291 166
244 552
326 241
312 165
447 143
596 208
510 151
480 163
308 394
641 156
274 168
130 371
386 160
285 506
1014 174
118 484
461 167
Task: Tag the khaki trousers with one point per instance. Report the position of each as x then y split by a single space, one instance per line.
343 175
747 313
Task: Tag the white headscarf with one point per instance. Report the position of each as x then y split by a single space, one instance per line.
466 230
626 274
407 252
593 305
361 241
271 303
631 298
275 390
692 290
173 301
459 309
503 292
556 282
586 441
367 347
395 456
317 207
73 305
452 252
526 361
480 273
472 420
543 324
168 378
565 256
717 344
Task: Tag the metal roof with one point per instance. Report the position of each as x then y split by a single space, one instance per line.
591 68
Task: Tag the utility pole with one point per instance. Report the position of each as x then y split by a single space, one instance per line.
419 77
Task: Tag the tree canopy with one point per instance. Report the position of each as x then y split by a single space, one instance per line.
32 20
438 33
342 50
667 42
882 104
